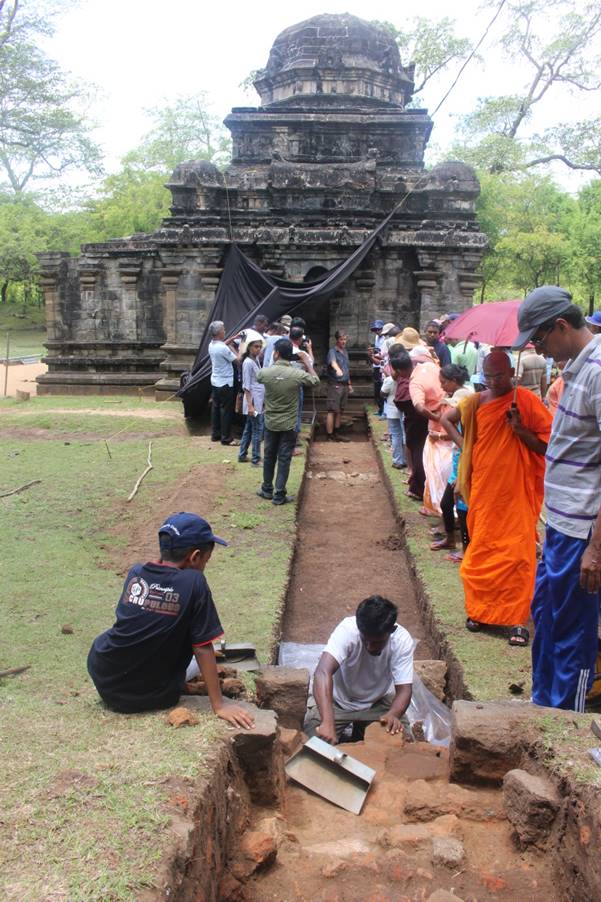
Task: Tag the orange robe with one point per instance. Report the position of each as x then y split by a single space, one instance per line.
505 500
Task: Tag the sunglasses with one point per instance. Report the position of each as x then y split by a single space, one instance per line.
538 340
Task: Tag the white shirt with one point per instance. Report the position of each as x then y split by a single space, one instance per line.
222 358
250 368
389 391
363 679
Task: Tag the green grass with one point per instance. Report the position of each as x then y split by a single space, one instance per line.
27 328
489 665
85 807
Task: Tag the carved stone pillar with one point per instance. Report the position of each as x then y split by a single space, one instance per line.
429 284
169 282
129 271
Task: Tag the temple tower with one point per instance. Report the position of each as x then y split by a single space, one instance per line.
331 149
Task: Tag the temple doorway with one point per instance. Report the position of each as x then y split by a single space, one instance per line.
316 314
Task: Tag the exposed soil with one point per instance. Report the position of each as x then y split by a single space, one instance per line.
22 376
137 530
348 547
390 853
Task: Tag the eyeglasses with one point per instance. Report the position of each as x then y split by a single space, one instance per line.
538 340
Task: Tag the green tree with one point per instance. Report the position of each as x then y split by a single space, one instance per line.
43 133
584 235
526 218
556 45
431 46
135 198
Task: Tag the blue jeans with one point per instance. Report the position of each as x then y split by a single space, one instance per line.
253 431
278 449
397 437
566 623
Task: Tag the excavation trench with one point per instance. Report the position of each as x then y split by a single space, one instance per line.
418 834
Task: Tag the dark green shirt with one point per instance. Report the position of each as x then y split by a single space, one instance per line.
282 382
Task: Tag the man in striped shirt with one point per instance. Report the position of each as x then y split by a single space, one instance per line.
565 608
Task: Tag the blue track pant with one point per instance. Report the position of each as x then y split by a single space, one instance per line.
566 622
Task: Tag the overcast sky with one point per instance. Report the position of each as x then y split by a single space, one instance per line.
141 53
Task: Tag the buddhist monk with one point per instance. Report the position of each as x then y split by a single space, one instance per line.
501 478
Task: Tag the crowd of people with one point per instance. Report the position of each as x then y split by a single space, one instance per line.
500 444
488 445
263 373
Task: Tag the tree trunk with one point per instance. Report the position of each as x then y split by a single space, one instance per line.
4 292
591 303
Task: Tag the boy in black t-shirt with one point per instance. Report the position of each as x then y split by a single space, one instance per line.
165 614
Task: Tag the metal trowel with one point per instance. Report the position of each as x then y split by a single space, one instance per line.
241 655
332 774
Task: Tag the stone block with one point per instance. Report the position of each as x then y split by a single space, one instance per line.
420 836
426 801
532 804
257 851
488 740
447 851
257 750
284 690
433 675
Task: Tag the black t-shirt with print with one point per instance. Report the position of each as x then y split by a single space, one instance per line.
140 663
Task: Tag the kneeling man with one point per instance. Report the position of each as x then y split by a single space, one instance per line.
364 674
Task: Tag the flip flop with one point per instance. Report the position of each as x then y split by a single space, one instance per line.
413 496
455 557
519 636
442 545
472 625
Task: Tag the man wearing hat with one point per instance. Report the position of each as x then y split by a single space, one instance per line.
594 322
375 357
164 616
565 608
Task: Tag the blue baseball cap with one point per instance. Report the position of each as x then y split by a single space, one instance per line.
185 530
594 319
377 324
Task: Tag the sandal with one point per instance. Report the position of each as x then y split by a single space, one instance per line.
472 625
413 496
441 545
455 557
427 513
519 636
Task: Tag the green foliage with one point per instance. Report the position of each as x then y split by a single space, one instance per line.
526 218
43 132
183 130
432 46
556 46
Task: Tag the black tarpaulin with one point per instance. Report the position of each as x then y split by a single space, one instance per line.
245 290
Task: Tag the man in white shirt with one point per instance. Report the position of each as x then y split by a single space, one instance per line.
365 673
222 382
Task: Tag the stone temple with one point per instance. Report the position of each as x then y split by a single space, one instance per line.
332 148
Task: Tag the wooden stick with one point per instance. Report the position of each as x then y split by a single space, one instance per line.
13 671
20 489
149 467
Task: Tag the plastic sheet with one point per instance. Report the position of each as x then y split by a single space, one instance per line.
434 716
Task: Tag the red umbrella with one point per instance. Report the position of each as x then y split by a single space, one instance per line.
494 324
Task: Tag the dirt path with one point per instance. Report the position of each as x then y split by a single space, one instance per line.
348 547
21 376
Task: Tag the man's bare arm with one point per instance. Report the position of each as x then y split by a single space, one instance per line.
590 566
402 699
323 690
